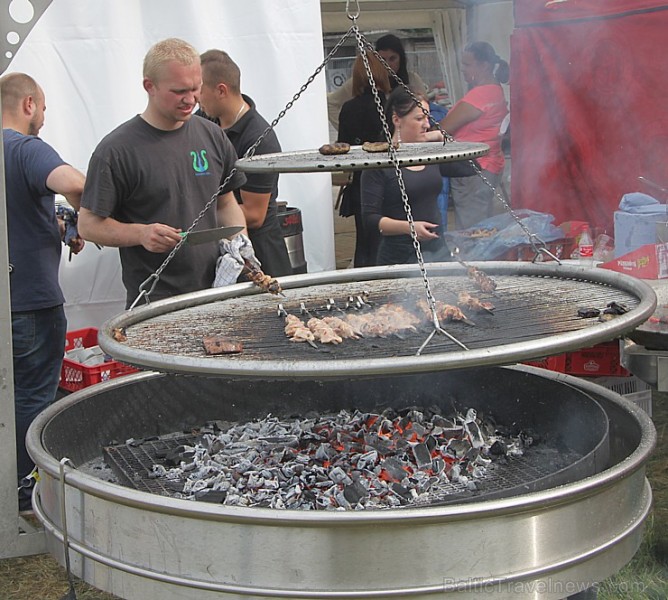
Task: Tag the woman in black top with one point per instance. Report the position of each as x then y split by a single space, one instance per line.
361 122
382 205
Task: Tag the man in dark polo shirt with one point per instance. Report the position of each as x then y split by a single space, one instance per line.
34 172
221 100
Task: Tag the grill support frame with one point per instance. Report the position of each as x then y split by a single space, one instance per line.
131 544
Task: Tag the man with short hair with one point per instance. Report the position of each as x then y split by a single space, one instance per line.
34 173
222 101
151 177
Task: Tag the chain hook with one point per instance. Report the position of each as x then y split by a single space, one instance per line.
352 17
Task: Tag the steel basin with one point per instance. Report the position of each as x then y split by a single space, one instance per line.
545 544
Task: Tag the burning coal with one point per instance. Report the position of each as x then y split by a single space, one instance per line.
341 461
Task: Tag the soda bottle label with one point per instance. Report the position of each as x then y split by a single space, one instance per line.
586 251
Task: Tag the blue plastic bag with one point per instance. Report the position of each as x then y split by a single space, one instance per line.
504 233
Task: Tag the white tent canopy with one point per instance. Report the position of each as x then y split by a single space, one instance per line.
88 58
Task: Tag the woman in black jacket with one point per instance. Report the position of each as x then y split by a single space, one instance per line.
359 122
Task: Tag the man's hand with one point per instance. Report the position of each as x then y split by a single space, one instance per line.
157 237
76 245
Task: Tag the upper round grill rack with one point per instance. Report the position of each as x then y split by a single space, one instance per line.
310 161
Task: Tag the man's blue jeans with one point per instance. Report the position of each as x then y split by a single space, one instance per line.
38 344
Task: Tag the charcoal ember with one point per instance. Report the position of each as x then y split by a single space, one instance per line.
379 444
338 475
586 312
459 447
402 491
390 414
367 460
454 431
437 465
340 462
307 439
498 448
422 456
529 438
394 468
354 492
179 454
431 443
432 412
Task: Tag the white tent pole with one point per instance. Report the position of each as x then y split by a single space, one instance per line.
17 536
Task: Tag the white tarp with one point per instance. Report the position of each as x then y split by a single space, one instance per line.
88 58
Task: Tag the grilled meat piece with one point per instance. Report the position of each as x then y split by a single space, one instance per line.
378 146
465 300
218 345
335 148
118 333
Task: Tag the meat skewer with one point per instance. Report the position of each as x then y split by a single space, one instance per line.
481 279
465 300
297 331
387 320
323 332
444 312
264 282
342 328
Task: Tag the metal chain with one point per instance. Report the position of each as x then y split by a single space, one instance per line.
362 44
148 285
144 289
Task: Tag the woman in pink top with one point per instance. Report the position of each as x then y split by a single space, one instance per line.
477 117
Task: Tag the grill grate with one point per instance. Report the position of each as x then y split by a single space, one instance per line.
527 308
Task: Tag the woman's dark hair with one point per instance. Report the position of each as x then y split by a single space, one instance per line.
379 73
401 103
484 52
392 42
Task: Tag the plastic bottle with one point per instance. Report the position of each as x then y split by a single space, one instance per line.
586 248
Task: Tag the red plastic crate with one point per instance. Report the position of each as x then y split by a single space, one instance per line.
599 360
75 376
552 363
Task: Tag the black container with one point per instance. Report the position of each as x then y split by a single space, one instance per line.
290 219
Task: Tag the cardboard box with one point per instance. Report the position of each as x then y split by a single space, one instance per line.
635 230
647 262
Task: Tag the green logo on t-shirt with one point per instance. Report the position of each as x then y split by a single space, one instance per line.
200 163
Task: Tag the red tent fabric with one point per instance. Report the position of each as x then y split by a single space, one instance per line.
589 105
